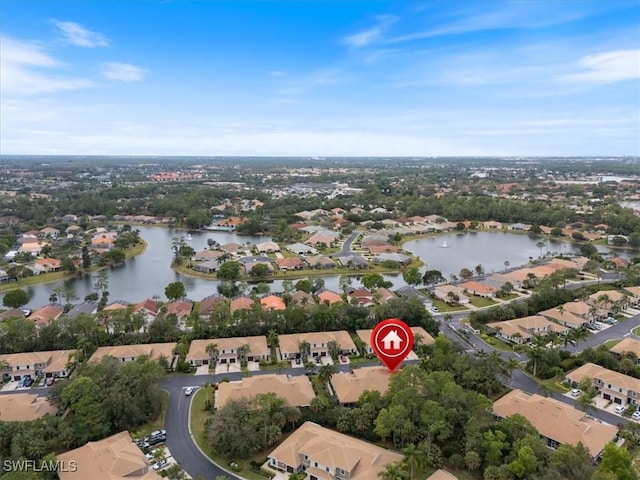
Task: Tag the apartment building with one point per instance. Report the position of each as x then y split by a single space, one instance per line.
296 391
318 343
325 454
227 350
48 364
613 386
557 422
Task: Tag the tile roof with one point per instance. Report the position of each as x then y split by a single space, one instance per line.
348 387
152 350
22 407
427 339
628 344
364 460
113 458
289 343
296 391
556 420
257 346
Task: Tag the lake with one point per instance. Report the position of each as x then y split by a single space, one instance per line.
148 274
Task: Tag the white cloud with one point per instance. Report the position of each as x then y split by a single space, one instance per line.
606 67
124 72
75 34
25 69
366 37
277 73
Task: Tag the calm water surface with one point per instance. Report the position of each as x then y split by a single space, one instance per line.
148 274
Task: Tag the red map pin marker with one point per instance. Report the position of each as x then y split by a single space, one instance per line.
392 341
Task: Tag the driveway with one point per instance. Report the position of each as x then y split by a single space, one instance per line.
346 246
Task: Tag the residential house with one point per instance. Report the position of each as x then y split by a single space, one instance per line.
227 350
612 386
267 247
301 249
491 225
113 458
416 219
24 407
420 337
34 248
318 343
374 240
379 249
383 295
325 454
46 265
148 308
399 258
566 318
248 266
612 301
479 289
354 261
302 298
45 315
634 295
451 294
116 305
584 310
208 304
557 422
328 297
361 296
232 248
520 227
323 238
129 353
320 262
206 266
241 303
206 255
290 263
50 232
180 308
69 218
86 308
349 387
13 313
441 474
628 345
48 364
296 391
273 302
522 330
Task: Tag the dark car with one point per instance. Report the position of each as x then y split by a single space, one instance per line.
50 381
298 361
28 382
157 440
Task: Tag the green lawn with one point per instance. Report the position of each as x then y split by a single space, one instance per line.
480 302
611 343
636 331
444 307
197 421
511 296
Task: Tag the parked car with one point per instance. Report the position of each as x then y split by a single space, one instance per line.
150 455
636 416
161 464
28 382
50 381
158 433
298 361
620 408
597 326
188 391
611 320
575 392
343 359
318 360
157 440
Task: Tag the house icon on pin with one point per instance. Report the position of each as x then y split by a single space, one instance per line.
392 341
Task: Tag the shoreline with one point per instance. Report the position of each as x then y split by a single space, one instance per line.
54 277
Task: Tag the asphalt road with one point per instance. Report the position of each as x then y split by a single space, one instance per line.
346 246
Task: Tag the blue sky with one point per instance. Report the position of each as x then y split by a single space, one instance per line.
320 78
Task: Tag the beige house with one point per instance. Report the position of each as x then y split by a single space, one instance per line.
296 391
634 295
129 353
318 343
521 330
47 364
325 454
22 407
113 458
613 386
611 301
348 387
442 474
445 292
227 350
628 345
425 338
568 319
557 422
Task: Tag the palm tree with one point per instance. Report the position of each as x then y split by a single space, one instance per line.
580 334
326 373
540 245
243 351
479 269
273 341
414 458
212 351
318 404
305 349
334 350
393 471
506 264
511 365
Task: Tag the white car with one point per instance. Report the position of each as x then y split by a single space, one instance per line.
161 464
636 416
575 392
188 391
620 408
